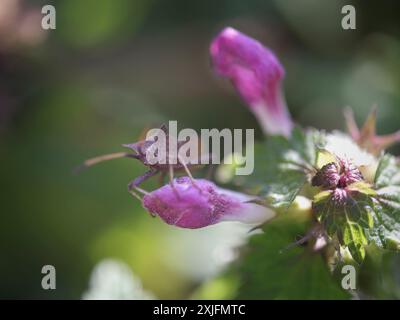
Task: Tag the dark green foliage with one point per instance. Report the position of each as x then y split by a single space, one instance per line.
271 270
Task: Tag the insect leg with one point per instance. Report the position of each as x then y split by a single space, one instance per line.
188 172
171 179
134 184
171 175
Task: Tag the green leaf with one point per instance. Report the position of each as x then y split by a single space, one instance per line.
281 165
350 221
388 172
271 270
354 239
386 207
379 276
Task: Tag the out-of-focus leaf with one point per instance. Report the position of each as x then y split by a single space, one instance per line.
379 277
95 22
388 172
220 288
386 229
281 165
271 270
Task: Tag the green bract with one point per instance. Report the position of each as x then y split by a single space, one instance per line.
283 166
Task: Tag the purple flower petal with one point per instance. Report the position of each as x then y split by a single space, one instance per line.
189 206
256 74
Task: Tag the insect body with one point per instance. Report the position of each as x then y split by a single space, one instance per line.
140 152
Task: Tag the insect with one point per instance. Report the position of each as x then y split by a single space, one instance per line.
140 151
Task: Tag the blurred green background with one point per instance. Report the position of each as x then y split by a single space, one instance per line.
113 67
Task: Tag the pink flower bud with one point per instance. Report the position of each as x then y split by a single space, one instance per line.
256 74
337 175
195 206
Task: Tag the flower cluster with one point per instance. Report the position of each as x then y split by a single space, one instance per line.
337 175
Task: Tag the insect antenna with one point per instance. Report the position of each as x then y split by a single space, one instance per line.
105 157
